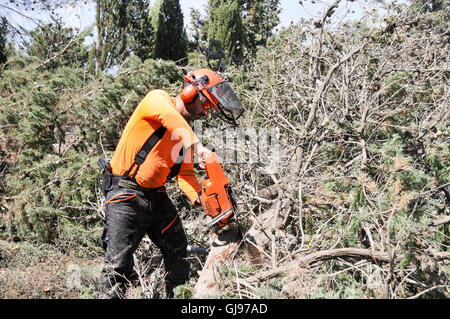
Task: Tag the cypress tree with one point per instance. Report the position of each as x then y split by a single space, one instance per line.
171 39
141 29
225 28
3 34
111 43
123 27
154 18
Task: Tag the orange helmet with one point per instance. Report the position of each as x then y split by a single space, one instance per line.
218 93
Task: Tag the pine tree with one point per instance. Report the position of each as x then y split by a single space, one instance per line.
171 39
56 45
154 18
3 34
225 28
141 29
197 27
123 27
110 45
431 5
24 7
260 17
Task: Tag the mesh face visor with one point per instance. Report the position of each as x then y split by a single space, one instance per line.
229 104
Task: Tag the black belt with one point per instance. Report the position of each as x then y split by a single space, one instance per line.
128 183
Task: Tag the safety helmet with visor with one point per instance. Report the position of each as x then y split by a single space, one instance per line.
214 92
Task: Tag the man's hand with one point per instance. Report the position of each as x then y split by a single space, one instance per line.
201 153
197 203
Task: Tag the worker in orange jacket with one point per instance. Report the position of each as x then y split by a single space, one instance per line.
157 144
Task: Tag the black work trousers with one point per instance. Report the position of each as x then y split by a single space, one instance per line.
130 214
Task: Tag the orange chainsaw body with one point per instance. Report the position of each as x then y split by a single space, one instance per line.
216 196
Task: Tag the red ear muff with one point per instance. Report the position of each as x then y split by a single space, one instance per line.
188 93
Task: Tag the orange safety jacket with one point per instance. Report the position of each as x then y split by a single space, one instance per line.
156 109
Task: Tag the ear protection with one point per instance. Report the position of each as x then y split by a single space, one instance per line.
188 93
190 89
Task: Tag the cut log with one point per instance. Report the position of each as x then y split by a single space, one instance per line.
223 248
258 236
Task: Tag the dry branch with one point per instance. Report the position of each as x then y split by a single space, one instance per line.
346 253
439 222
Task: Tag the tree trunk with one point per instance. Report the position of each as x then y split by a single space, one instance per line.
223 248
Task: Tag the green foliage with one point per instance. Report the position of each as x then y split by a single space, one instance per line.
430 5
225 30
76 240
357 199
373 166
171 39
260 17
233 28
397 85
198 30
141 30
3 35
269 292
27 253
63 127
183 292
438 161
336 186
123 28
56 45
88 292
155 9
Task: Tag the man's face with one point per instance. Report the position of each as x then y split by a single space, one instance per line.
196 109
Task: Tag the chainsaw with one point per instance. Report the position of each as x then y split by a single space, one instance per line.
216 195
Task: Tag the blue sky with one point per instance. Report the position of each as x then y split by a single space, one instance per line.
291 11
82 15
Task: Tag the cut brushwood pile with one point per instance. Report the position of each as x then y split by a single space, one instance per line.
226 245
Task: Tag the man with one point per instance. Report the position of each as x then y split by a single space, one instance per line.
156 144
